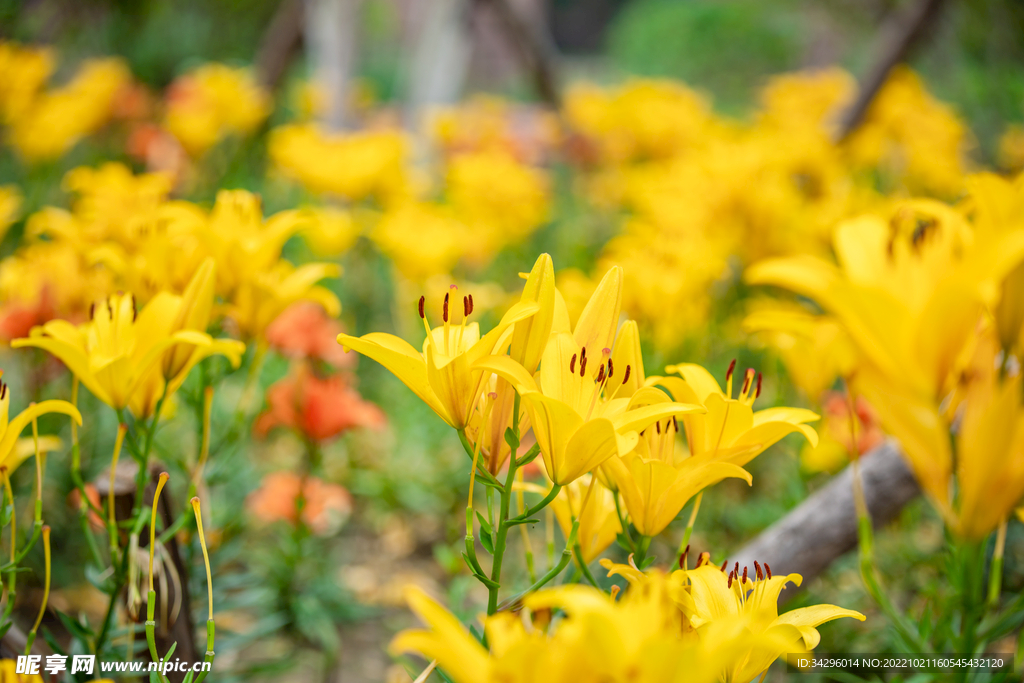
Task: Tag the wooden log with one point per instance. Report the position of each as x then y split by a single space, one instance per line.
280 42
824 527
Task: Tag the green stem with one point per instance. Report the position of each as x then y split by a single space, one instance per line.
583 566
623 524
530 512
995 578
557 569
689 530
501 537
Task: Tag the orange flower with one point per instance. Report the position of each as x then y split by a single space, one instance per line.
325 509
305 331
320 409
18 319
837 421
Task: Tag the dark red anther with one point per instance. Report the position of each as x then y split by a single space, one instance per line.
767 570
744 574
757 393
748 378
583 364
625 378
724 565
730 580
135 313
611 368
583 353
471 304
700 560
757 569
675 424
728 373
465 306
92 310
682 558
423 301
3 391
600 375
444 312
657 427
572 364
736 569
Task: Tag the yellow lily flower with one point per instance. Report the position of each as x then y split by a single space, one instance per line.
576 430
730 430
446 374
910 291
14 451
114 353
529 339
637 639
257 302
751 603
655 486
990 449
167 314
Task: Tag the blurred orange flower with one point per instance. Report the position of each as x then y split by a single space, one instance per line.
833 449
325 509
320 409
304 330
17 319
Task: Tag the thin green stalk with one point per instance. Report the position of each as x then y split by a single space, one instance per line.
623 523
995 578
689 529
501 537
583 566
552 494
557 569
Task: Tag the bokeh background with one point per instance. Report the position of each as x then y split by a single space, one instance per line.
446 76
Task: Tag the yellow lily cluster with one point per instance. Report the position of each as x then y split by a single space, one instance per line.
485 200
124 232
695 625
701 194
928 297
43 123
590 405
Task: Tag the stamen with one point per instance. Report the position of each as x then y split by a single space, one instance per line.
736 569
744 575
92 310
728 378
700 559
572 364
625 378
423 301
757 568
135 313
748 380
465 307
471 304
611 368
767 570
583 363
444 311
724 565
675 424
3 391
657 427
730 580
600 375
583 353
682 558
757 393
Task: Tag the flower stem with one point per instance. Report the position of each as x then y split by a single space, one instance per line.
995 578
641 551
689 529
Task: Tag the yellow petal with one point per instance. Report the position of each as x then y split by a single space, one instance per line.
600 317
699 379
531 335
626 353
639 419
807 618
593 443
398 356
16 425
553 424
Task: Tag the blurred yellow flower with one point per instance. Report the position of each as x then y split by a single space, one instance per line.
24 72
10 207
57 119
351 165
209 103
12 451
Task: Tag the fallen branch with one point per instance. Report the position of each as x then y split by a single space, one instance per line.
280 42
534 49
824 527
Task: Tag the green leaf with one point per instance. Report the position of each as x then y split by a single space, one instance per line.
487 541
624 542
514 522
485 527
511 439
648 562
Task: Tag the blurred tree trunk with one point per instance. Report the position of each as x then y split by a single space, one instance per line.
331 35
280 42
896 38
824 527
532 42
439 58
